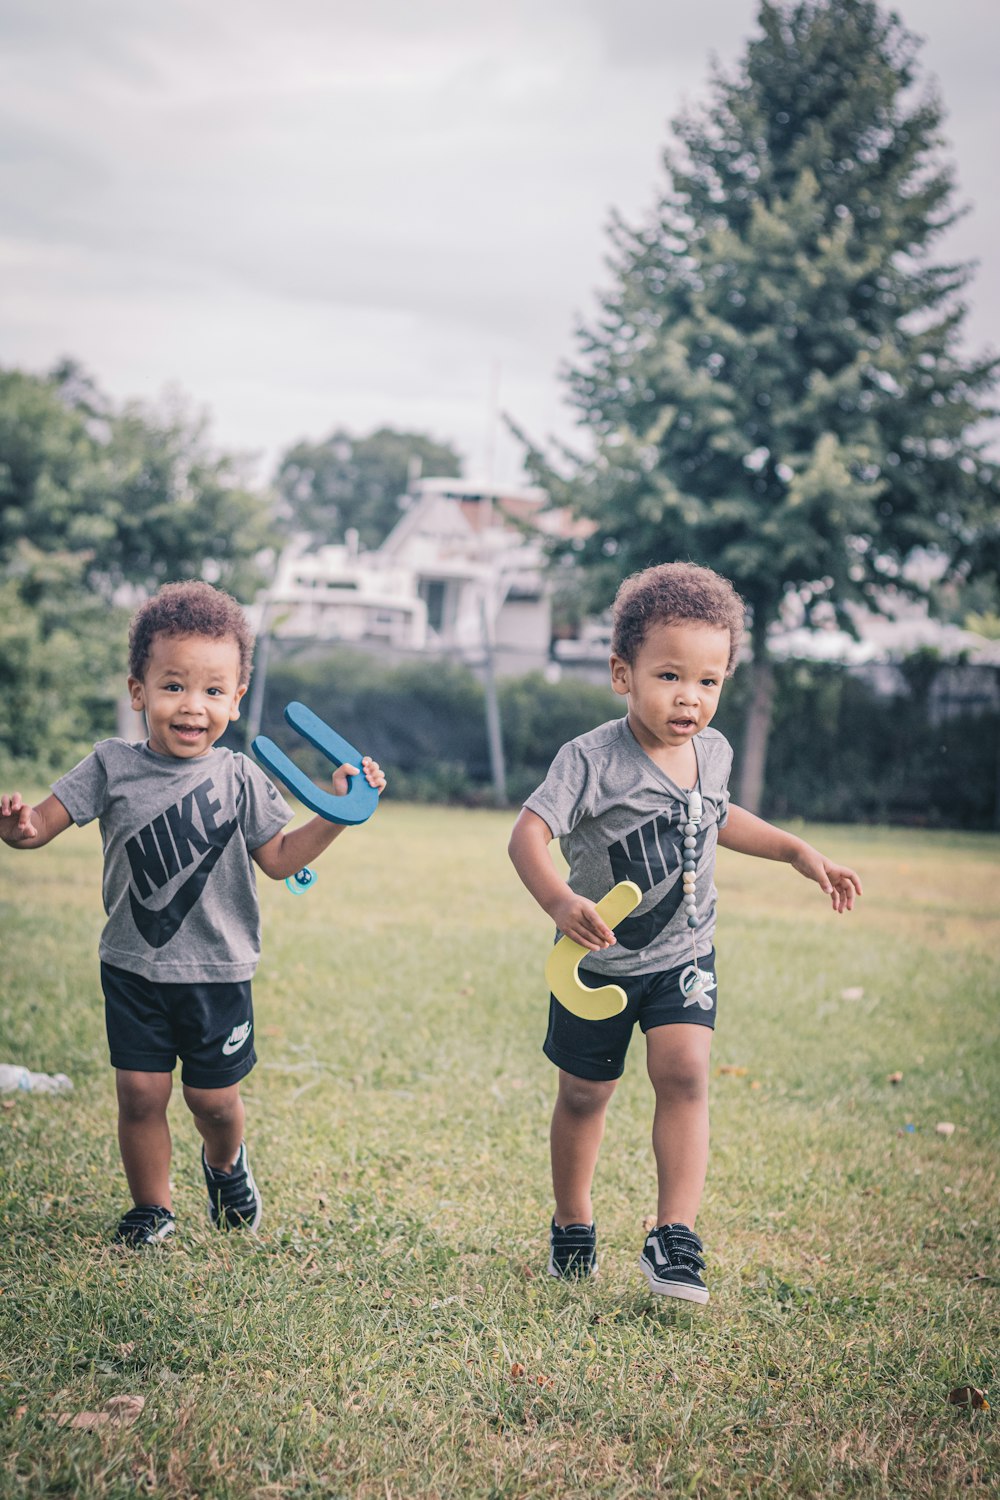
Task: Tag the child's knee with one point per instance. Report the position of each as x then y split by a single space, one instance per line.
682 1080
585 1096
143 1096
214 1106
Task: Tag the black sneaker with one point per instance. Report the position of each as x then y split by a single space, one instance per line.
147 1224
671 1262
233 1199
572 1250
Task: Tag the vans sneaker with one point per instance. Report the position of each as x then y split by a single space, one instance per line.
146 1224
672 1262
572 1250
233 1199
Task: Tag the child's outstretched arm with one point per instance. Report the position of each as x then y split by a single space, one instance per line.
25 827
574 915
288 852
748 834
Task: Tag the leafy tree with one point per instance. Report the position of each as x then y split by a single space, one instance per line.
47 459
356 482
97 505
176 508
775 383
62 662
138 495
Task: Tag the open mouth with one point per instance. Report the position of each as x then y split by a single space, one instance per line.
683 726
188 731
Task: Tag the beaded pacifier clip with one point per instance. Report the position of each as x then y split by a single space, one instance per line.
689 881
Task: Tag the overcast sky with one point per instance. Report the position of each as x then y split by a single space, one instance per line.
306 213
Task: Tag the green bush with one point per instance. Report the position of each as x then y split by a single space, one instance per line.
839 750
426 721
842 752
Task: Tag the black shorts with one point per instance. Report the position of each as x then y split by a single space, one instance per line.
150 1025
596 1049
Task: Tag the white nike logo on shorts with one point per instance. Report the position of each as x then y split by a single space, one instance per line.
237 1038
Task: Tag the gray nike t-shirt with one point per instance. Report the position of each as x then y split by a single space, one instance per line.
179 884
617 816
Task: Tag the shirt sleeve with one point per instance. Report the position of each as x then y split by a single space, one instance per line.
565 796
263 811
83 791
723 794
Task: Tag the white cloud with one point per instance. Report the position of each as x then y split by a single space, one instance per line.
313 212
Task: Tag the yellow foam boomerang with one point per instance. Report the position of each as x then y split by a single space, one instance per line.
563 963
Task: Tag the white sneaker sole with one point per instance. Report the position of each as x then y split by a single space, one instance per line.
680 1289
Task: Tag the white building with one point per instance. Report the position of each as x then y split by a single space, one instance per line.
464 564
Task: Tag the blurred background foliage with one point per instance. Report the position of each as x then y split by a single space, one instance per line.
842 751
776 385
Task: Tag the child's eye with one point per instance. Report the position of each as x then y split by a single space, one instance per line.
172 687
669 676
709 681
217 692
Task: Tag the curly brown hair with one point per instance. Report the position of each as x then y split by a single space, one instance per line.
673 593
189 608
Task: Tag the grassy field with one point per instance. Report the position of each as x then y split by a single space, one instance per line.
392 1332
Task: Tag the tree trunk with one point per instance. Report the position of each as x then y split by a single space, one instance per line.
758 729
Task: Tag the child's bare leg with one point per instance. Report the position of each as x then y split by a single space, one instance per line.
677 1059
575 1139
220 1118
144 1135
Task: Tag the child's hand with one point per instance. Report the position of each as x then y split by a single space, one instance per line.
16 819
836 881
373 773
578 918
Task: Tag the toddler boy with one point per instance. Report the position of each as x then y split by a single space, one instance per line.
183 821
646 798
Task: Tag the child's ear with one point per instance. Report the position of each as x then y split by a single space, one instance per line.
136 695
234 712
619 675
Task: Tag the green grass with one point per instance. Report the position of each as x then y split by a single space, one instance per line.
369 1342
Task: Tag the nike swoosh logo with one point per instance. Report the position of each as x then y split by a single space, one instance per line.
229 1046
158 927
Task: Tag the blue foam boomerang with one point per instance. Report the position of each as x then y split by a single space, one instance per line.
360 799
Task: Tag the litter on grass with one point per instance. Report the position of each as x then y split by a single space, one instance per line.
969 1395
14 1078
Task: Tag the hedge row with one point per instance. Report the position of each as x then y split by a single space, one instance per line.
839 750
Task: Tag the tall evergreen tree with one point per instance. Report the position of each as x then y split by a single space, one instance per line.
775 381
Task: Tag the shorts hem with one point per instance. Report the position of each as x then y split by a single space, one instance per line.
580 1068
216 1078
143 1062
702 1020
